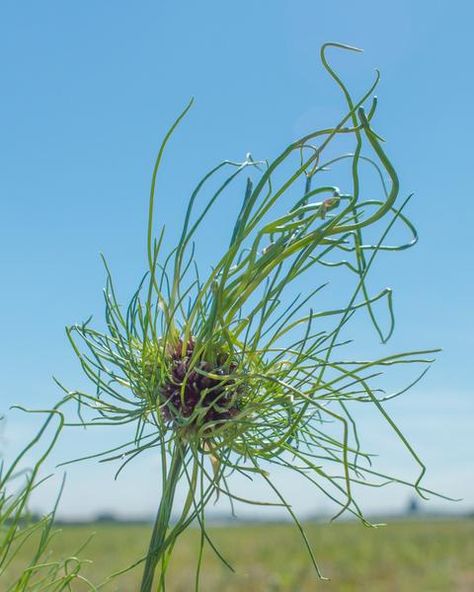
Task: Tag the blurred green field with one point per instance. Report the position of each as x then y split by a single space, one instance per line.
406 556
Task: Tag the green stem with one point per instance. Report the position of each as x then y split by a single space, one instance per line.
163 516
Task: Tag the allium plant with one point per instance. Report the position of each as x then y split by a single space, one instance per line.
227 371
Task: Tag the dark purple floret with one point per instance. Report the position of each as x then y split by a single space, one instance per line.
190 388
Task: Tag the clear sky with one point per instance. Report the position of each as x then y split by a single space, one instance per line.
88 90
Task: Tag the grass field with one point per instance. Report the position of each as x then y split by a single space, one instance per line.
415 556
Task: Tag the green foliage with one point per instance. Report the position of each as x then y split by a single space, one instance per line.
222 370
36 570
428 554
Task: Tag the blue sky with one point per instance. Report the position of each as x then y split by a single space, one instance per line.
88 90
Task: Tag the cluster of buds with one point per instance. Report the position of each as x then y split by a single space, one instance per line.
196 388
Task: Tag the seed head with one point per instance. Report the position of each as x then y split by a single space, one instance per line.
199 393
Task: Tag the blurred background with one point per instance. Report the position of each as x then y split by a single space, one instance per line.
88 91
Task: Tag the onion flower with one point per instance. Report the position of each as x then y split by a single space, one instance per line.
238 368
